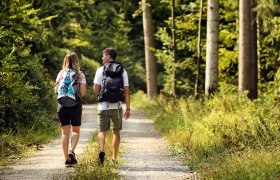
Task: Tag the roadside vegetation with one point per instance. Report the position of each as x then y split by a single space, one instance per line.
20 142
88 166
223 137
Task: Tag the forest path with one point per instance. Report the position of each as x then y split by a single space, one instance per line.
145 153
48 163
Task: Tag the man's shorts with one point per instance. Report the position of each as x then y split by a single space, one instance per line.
70 115
105 117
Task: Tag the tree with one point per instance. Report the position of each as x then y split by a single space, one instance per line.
244 69
253 94
197 81
148 28
211 76
173 32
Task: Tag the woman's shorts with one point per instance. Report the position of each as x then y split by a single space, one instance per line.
70 115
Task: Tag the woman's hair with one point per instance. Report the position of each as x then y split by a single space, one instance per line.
71 61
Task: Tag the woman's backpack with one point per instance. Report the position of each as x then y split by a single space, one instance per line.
68 89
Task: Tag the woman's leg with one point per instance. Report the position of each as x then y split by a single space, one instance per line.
65 132
75 137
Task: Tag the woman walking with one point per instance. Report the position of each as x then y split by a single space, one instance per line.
70 86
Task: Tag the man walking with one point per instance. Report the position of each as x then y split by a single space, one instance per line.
111 87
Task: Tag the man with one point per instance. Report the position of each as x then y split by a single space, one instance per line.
109 110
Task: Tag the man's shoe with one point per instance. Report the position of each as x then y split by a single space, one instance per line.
101 157
72 157
68 162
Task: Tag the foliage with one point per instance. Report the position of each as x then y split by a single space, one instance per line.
25 91
88 168
89 68
220 130
24 140
186 31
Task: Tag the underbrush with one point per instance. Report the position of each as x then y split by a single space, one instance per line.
224 137
88 166
22 141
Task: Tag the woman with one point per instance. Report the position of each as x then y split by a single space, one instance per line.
70 117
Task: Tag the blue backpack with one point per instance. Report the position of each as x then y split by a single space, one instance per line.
68 89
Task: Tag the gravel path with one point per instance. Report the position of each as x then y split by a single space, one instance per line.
146 154
49 162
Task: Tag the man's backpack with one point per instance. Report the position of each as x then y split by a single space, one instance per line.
112 83
68 89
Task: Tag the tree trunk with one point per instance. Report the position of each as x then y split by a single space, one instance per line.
197 81
173 30
253 94
211 76
148 27
244 72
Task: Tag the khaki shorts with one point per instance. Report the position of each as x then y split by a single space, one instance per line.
105 117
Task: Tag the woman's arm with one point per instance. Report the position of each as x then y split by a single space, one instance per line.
83 89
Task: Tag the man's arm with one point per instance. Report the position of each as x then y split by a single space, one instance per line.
96 88
127 102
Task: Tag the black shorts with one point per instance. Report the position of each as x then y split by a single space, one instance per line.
70 115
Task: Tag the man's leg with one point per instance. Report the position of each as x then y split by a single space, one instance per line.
116 143
65 131
101 140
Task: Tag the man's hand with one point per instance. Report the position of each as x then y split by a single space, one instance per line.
127 114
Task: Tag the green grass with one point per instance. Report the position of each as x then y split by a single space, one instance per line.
20 143
88 167
224 137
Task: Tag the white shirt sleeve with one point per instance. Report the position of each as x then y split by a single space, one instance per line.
125 78
98 76
82 79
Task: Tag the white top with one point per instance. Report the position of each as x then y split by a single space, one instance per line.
81 78
98 80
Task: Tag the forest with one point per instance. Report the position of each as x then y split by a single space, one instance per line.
189 59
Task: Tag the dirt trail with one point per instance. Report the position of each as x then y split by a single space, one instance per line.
146 154
49 161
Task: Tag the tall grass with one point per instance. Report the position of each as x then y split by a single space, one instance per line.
214 133
88 166
22 141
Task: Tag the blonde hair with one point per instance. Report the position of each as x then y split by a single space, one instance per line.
71 61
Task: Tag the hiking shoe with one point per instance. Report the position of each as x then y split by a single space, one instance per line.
101 157
72 157
68 162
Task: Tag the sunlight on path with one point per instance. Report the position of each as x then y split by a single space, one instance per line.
49 161
146 154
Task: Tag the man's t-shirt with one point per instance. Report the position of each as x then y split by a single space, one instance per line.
98 80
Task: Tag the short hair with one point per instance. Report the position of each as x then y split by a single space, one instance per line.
112 52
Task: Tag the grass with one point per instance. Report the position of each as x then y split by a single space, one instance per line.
88 166
15 144
225 137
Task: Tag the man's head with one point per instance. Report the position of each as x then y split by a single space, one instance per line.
111 52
